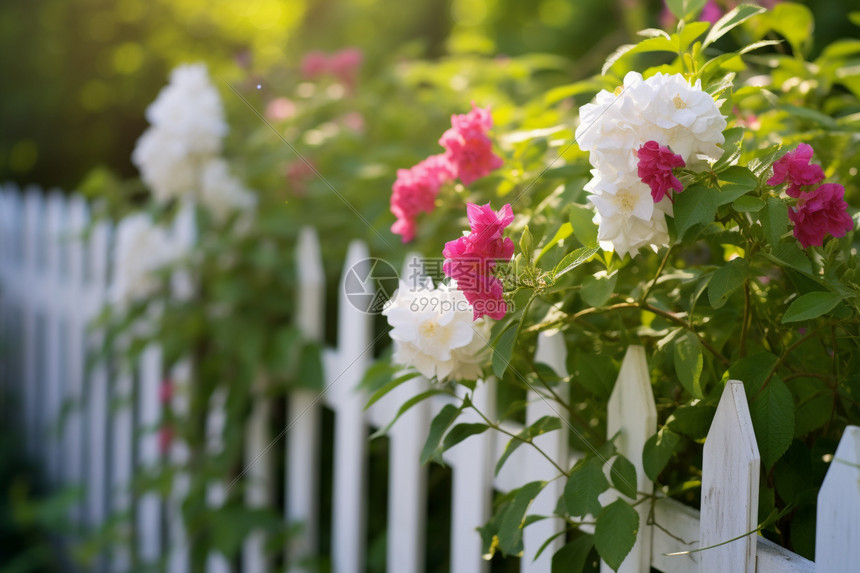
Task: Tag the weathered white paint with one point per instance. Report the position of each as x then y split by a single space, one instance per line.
258 469
149 456
837 536
730 478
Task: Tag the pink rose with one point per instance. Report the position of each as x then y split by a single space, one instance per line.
656 163
314 64
795 168
468 147
415 192
819 213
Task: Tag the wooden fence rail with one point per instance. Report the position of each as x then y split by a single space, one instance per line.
53 282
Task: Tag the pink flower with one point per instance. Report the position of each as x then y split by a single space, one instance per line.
280 109
819 213
298 173
794 167
165 438
415 192
315 64
165 391
344 65
468 147
471 259
711 13
655 169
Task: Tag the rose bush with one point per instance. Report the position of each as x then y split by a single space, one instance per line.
694 197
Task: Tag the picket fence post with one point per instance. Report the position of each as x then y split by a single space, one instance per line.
551 351
30 366
837 533
472 488
354 353
149 456
304 415
216 491
407 477
730 481
632 414
50 302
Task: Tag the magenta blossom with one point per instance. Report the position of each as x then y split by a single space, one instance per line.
711 13
415 192
345 64
471 259
468 147
656 163
819 213
314 64
795 168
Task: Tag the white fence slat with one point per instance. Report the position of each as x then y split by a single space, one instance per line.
472 487
837 536
122 462
55 323
303 413
349 498
632 412
407 477
77 320
149 454
216 492
34 395
258 477
177 395
552 352
730 480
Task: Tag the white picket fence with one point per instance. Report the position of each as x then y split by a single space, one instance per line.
53 283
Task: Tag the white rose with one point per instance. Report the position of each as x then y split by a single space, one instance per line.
433 331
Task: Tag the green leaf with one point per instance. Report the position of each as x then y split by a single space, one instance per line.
692 421
658 450
572 557
774 220
730 20
527 246
753 370
597 288
405 408
791 256
389 387
586 482
438 426
541 426
460 432
811 305
794 22
574 259
695 205
772 413
563 232
503 349
511 526
726 280
583 226
689 363
737 181
748 204
683 8
615 532
623 476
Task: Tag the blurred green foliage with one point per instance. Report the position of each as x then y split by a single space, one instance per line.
78 74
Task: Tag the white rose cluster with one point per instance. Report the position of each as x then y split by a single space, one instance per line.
664 108
180 151
142 248
433 331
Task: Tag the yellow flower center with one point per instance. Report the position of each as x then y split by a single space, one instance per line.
679 103
428 329
626 200
618 91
